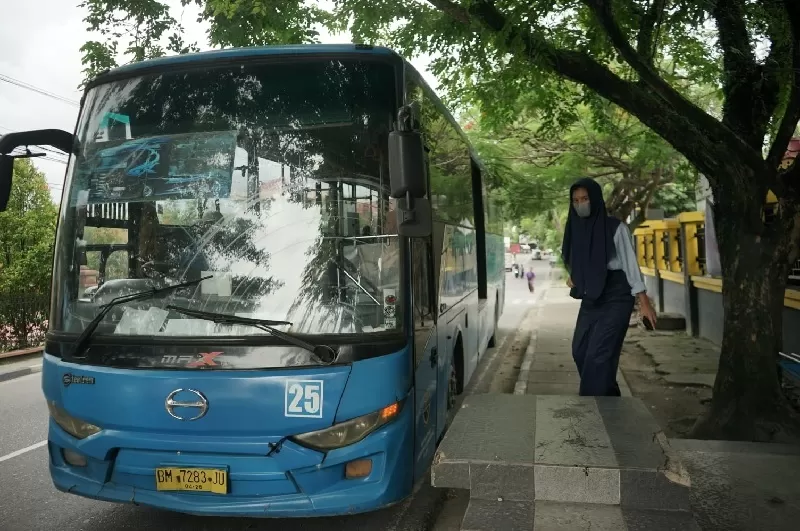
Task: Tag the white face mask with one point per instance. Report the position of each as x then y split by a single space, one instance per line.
583 210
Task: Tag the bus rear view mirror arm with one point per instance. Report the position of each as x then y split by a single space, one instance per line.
407 177
41 137
414 222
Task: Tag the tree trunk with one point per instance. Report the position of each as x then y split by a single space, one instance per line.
748 402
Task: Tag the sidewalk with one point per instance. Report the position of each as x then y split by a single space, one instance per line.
742 486
548 368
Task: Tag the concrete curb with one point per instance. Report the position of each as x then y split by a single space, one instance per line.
20 353
18 373
487 364
521 387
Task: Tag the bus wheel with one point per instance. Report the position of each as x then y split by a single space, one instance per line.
452 386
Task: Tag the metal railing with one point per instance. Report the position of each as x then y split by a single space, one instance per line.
660 247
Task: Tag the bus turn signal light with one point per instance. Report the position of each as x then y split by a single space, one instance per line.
359 468
390 411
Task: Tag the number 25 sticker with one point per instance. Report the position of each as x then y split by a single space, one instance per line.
303 398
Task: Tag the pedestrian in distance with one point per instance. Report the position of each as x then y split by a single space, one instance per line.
604 275
530 276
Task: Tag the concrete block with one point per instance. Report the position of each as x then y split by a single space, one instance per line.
488 429
487 515
631 430
551 516
667 321
651 520
648 489
577 484
534 388
451 475
565 448
491 428
508 482
570 431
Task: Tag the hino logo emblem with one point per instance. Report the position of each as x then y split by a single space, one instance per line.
200 404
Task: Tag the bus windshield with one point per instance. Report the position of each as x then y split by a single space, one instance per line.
269 178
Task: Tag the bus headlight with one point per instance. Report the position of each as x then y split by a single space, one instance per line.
75 427
350 431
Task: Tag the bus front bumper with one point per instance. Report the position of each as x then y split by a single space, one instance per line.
321 490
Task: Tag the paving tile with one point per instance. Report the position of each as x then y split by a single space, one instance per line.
552 389
631 429
556 377
540 364
451 475
570 431
509 482
487 515
652 490
650 520
552 516
577 484
497 427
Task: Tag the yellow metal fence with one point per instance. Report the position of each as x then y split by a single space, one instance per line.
660 251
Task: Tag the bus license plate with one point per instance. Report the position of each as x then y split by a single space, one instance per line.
192 479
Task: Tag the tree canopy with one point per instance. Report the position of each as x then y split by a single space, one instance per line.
27 229
536 166
513 57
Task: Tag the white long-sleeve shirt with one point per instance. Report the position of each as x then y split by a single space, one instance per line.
625 259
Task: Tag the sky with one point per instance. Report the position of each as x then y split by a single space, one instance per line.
40 44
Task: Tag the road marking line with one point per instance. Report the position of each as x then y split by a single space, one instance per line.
25 450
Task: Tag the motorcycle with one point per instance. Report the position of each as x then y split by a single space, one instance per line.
517 270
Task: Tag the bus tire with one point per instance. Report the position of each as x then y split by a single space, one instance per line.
452 385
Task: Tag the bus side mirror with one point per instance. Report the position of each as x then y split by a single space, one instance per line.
408 182
407 164
42 137
6 173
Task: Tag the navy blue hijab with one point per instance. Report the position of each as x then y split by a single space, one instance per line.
589 243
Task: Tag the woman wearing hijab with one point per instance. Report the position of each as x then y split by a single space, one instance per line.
605 276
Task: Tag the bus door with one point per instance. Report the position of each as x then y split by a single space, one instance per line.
426 358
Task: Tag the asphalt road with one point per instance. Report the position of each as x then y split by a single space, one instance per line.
29 502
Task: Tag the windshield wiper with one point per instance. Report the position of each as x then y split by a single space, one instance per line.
323 353
83 340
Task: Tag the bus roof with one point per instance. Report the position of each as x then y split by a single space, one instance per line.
249 52
161 63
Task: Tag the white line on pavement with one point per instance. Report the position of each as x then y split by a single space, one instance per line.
529 302
25 450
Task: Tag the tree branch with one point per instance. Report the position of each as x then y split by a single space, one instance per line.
647 73
702 139
648 27
791 115
750 94
453 10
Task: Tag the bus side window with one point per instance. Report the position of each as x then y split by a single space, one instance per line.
422 288
423 314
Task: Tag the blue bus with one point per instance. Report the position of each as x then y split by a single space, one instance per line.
289 339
